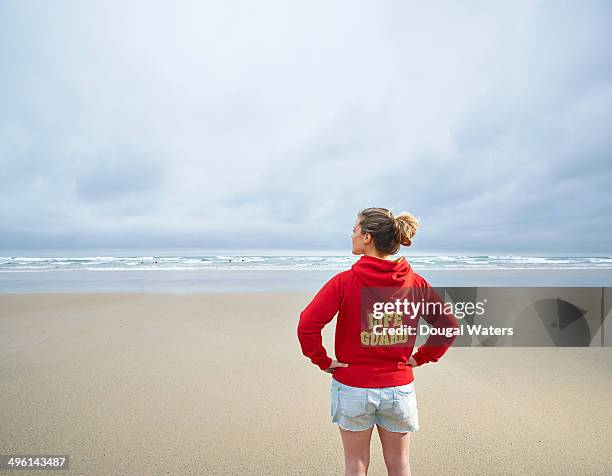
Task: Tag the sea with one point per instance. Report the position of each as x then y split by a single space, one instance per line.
188 272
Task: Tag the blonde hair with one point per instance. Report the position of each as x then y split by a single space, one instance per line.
388 231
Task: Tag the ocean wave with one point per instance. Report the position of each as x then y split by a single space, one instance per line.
339 262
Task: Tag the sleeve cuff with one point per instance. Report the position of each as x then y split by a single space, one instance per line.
324 364
420 358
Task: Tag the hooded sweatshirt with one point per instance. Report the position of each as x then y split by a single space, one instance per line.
381 365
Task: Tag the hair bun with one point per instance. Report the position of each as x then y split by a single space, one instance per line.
405 225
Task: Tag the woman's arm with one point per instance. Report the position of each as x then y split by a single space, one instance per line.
436 345
321 310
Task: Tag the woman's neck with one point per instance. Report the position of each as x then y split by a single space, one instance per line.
386 257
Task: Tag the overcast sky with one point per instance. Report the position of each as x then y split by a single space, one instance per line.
270 124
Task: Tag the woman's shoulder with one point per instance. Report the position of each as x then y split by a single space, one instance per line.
419 281
342 276
338 278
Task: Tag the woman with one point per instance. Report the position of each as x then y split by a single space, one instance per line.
373 380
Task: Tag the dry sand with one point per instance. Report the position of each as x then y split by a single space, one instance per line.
217 384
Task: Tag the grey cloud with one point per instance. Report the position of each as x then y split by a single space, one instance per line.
110 177
233 125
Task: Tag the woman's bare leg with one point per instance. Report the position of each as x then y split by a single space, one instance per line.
395 451
356 451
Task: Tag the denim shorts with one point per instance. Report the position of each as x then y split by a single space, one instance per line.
358 409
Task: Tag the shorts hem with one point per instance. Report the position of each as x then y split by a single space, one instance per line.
356 429
398 431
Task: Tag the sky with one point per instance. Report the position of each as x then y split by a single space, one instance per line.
248 125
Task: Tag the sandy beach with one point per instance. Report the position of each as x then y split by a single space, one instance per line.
216 384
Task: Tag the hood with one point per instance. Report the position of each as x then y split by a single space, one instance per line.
378 272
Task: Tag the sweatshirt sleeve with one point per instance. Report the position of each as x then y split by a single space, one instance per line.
436 345
321 310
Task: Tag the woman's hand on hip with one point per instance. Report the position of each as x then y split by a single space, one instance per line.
334 364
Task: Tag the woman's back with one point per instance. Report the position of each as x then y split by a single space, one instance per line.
376 346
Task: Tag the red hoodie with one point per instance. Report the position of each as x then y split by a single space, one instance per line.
369 366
